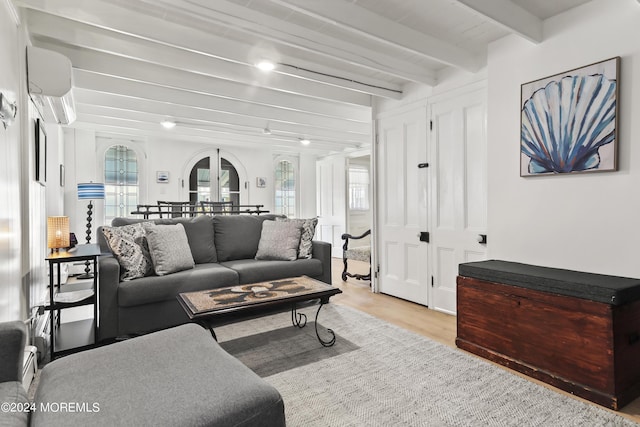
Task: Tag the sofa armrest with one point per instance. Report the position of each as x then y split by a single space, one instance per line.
322 251
109 275
13 338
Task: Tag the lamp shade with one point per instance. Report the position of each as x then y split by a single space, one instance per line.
90 191
58 232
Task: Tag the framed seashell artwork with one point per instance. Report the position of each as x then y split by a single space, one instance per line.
569 121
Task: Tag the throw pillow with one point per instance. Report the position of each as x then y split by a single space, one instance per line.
279 241
129 246
199 233
169 248
308 230
237 236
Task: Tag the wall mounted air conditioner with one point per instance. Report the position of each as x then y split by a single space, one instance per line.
50 85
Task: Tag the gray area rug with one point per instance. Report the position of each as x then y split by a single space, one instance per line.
280 350
380 375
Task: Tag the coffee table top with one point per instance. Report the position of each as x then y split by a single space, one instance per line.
234 298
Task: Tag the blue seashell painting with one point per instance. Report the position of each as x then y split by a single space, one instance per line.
568 123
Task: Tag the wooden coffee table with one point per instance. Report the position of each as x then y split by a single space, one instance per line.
205 307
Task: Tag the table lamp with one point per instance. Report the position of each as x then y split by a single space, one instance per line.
57 233
89 191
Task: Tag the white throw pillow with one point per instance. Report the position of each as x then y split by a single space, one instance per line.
169 248
279 241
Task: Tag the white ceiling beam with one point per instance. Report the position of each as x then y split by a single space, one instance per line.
510 16
117 18
358 20
94 38
121 106
170 96
214 136
113 65
276 30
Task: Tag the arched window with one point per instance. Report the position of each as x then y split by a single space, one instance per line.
121 182
285 188
202 188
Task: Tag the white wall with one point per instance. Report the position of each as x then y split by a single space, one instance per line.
84 151
586 222
12 296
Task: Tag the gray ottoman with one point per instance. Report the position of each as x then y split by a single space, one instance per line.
176 377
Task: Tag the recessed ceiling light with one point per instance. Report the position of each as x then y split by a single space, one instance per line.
265 65
304 141
168 124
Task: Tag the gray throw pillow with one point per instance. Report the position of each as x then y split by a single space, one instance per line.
237 236
279 241
169 248
308 230
129 246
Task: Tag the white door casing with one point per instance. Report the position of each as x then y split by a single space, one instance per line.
332 210
458 170
402 205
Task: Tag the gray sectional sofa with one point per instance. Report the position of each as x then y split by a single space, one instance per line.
176 377
223 248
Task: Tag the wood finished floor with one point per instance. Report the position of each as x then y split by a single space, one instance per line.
418 319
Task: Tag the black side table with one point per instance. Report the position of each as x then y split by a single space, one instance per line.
73 336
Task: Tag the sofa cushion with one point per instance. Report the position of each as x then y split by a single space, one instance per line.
308 230
252 270
169 248
279 241
176 377
162 288
12 393
199 233
129 246
237 236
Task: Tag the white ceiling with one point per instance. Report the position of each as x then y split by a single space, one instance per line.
137 62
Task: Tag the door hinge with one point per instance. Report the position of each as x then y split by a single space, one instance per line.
432 281
375 273
430 124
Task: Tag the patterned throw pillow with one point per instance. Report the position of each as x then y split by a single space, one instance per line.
129 246
279 241
308 227
169 248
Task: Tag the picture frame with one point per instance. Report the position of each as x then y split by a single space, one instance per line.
569 121
40 153
261 182
162 177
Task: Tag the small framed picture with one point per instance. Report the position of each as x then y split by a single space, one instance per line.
261 182
162 177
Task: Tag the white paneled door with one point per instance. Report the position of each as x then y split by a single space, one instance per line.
402 206
458 194
332 218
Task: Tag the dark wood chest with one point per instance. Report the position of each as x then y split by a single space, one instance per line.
576 331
